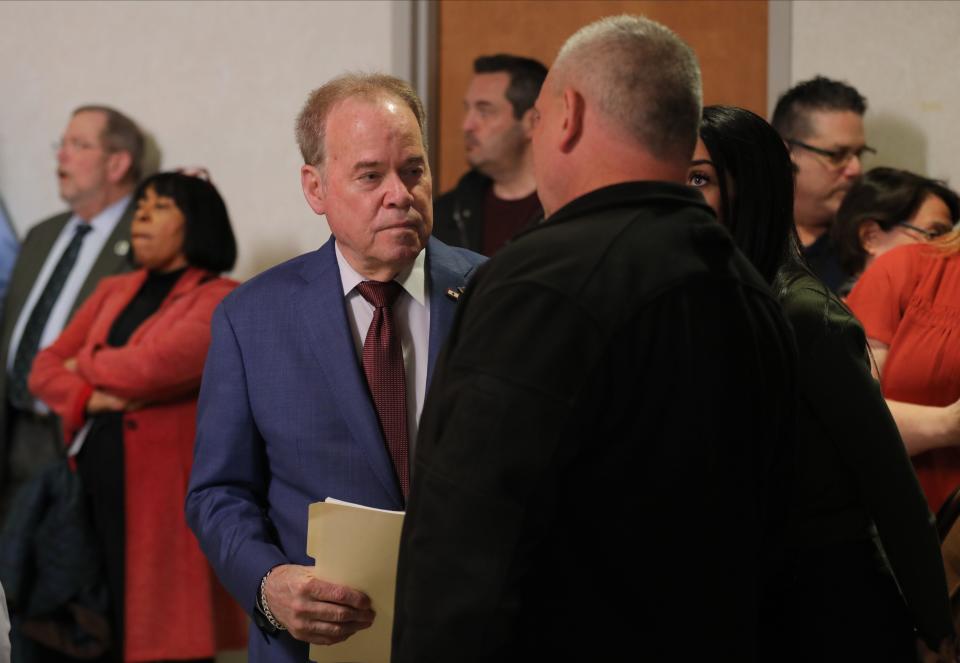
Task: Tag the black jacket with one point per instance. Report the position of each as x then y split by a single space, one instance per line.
458 214
853 484
606 434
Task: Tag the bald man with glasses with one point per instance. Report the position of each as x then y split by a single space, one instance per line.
821 121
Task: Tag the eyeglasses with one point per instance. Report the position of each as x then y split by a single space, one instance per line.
837 158
929 234
74 145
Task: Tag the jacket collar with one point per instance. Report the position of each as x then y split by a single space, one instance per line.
626 194
192 278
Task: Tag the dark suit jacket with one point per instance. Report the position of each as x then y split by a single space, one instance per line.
33 252
601 453
285 419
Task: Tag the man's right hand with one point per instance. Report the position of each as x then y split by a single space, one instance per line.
314 610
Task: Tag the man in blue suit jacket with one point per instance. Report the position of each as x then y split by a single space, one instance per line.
286 416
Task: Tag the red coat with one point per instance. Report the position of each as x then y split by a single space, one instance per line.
174 606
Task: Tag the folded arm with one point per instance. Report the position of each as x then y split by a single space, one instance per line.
54 379
922 427
161 366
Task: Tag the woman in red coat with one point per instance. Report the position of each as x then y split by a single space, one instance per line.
124 376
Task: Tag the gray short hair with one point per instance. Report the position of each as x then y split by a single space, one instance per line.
311 124
120 134
643 77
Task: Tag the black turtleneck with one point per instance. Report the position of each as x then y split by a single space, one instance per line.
146 302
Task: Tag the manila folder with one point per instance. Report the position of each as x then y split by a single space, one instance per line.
357 546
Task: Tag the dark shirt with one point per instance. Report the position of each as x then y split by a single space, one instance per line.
460 217
821 257
607 421
146 302
505 218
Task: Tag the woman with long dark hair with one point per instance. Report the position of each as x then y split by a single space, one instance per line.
862 567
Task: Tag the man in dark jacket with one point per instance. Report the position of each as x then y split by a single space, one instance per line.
498 197
599 467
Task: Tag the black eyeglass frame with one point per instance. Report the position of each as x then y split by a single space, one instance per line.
929 234
838 158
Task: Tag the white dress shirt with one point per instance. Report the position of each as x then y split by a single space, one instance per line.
412 314
102 226
4 629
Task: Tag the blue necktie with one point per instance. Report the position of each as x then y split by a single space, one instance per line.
30 340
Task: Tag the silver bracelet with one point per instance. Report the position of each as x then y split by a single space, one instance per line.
266 608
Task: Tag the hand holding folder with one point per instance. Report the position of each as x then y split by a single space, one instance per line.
315 610
357 546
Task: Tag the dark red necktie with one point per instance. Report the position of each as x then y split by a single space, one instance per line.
383 366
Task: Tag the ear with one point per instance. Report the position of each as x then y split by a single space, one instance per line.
870 234
793 158
572 127
118 165
311 180
526 123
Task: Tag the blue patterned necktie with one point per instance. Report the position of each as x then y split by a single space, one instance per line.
30 340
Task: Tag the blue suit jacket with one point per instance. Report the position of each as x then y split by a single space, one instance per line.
285 419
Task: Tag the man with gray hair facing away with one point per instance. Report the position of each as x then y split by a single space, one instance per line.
588 485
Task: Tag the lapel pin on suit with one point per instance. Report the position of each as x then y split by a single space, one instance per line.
121 248
454 293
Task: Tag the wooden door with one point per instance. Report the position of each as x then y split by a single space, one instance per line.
729 37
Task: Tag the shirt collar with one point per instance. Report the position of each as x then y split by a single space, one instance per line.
412 279
107 219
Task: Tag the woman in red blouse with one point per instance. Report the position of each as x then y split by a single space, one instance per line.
887 208
908 301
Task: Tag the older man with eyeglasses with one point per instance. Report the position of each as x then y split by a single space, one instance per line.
98 163
62 258
821 121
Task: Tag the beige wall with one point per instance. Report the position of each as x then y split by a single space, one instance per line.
901 55
217 84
